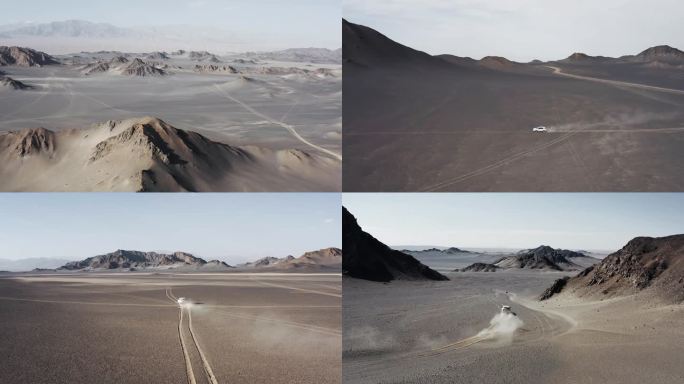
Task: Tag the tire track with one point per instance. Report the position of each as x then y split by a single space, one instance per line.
186 355
308 327
558 71
205 364
297 289
208 371
498 164
288 127
83 302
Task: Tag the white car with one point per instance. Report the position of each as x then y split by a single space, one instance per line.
181 300
539 129
506 309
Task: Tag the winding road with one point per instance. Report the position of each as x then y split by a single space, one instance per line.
558 71
289 127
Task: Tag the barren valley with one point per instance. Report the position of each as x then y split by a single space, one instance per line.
283 118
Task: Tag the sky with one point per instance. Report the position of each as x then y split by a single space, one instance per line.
524 30
588 221
233 227
248 24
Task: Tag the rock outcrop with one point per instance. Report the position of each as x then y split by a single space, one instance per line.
368 258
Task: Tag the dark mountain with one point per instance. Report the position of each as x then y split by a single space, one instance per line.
658 54
368 258
480 267
200 55
262 262
157 56
138 67
661 53
25 57
122 259
10 83
556 287
326 259
451 251
645 263
458 59
543 257
578 57
366 47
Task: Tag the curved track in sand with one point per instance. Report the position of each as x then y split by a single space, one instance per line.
558 71
209 373
289 127
297 289
498 164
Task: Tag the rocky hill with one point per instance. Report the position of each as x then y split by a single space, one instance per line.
480 267
368 258
138 67
25 57
7 82
367 48
304 55
661 53
326 259
147 154
643 264
543 257
136 260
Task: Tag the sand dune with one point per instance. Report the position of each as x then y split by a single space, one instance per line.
147 154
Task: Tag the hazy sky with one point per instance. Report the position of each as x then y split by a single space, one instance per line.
592 221
234 227
524 29
251 24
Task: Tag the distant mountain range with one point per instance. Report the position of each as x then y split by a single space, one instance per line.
448 251
136 260
70 28
322 260
542 258
311 55
368 48
329 259
31 263
77 35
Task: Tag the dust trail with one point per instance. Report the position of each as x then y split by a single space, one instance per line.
308 327
626 130
502 328
289 127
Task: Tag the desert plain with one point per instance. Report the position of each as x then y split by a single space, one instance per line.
140 327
